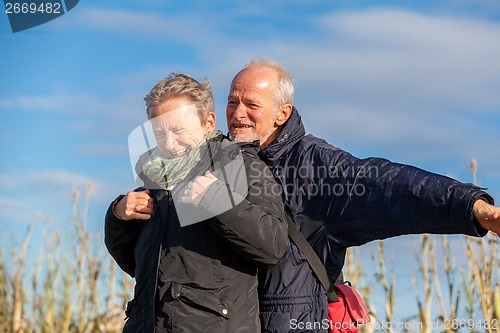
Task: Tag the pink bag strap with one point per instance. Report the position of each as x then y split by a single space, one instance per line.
355 303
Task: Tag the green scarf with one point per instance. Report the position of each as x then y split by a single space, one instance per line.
166 173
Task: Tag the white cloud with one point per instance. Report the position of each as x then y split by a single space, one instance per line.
104 150
386 74
398 57
7 182
140 23
415 54
407 77
60 103
56 183
27 102
374 55
119 19
421 88
102 124
10 203
14 210
379 54
413 83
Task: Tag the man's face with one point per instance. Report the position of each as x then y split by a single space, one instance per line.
251 108
176 126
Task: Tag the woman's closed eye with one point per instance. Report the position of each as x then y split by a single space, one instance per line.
178 130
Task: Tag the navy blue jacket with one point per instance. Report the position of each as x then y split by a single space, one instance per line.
337 201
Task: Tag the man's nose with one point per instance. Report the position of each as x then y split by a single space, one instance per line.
240 111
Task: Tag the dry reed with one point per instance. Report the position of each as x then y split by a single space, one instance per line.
74 286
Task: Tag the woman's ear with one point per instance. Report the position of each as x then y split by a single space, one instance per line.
210 123
284 114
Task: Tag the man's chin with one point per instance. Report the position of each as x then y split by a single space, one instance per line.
242 138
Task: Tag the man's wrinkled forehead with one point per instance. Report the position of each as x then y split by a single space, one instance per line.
252 89
249 87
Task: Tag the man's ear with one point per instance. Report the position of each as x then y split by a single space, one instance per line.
210 122
283 114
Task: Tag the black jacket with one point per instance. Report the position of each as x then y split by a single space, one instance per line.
202 277
338 201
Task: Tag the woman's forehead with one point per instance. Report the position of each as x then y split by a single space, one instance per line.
186 114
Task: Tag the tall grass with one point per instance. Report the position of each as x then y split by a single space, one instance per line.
73 285
474 283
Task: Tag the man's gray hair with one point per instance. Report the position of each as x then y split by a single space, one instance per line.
285 91
182 85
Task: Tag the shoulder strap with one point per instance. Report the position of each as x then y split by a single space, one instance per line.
313 260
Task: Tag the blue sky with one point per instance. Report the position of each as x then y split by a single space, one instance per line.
417 82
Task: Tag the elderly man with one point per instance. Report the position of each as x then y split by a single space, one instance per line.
335 199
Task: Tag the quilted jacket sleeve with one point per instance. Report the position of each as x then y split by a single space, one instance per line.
120 238
256 226
382 199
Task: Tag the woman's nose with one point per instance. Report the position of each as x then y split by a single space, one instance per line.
170 140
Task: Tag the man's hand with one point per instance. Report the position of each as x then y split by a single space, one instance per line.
196 189
487 215
134 206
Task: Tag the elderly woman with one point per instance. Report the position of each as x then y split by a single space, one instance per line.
207 217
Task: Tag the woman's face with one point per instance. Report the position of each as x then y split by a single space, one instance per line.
177 126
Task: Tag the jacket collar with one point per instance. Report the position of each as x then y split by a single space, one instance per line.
292 132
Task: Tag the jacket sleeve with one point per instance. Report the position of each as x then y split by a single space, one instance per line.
256 226
377 199
120 238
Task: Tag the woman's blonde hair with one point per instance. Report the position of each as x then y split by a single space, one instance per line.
182 85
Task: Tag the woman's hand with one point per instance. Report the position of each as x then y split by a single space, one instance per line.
134 206
196 189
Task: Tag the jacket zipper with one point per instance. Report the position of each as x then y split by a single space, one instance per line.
169 193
